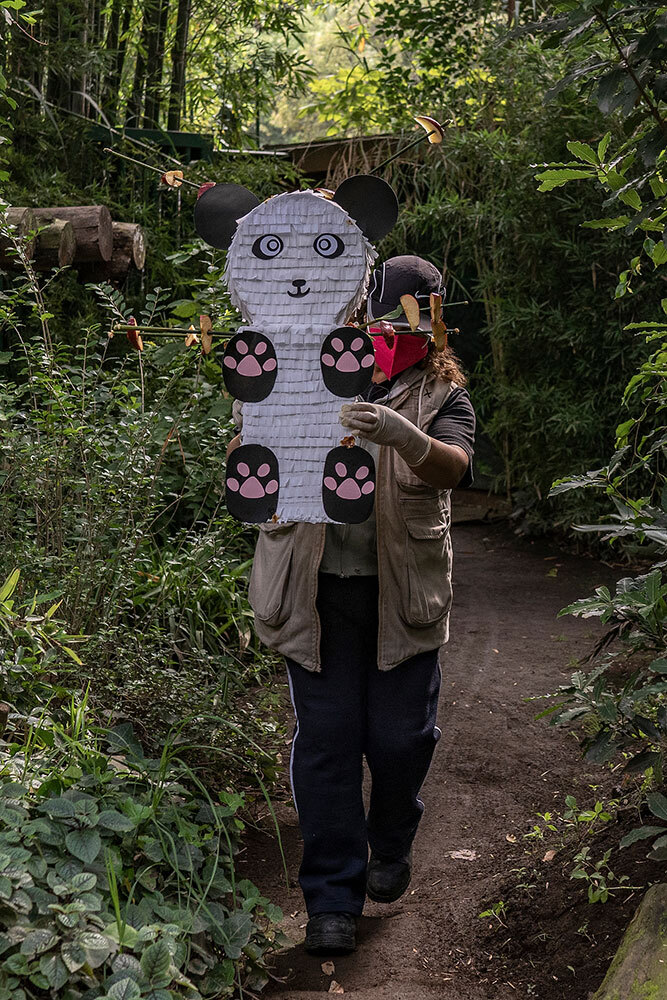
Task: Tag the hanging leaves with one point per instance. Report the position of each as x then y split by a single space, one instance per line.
205 327
172 178
134 336
434 131
411 310
437 323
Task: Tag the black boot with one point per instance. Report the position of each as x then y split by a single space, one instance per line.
331 934
386 881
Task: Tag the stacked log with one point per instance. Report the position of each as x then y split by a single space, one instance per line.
55 246
92 228
82 235
128 251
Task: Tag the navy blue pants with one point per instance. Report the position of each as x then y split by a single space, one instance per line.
349 710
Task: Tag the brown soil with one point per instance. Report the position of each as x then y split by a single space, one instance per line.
495 769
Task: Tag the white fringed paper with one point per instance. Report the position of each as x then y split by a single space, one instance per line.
298 421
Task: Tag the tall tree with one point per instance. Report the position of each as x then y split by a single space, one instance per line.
116 48
178 57
155 62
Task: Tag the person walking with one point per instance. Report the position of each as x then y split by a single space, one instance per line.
360 612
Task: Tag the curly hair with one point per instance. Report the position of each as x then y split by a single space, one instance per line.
444 364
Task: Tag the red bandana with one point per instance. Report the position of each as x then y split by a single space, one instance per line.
406 350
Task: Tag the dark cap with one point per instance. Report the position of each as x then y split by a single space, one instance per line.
405 275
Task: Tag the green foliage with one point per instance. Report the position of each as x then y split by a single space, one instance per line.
33 644
117 874
598 876
573 822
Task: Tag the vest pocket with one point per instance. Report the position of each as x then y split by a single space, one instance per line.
426 597
271 570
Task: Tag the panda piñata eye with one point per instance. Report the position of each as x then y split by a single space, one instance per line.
328 245
266 247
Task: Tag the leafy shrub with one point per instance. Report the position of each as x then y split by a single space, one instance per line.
117 873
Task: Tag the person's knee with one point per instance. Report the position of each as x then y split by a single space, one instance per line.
395 748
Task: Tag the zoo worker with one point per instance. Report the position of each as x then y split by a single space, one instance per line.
360 612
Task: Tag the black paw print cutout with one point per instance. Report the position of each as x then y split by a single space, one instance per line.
347 360
252 484
348 487
249 366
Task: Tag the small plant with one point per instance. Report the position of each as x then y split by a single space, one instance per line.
496 910
598 876
573 821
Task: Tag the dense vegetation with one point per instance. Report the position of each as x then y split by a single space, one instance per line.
138 713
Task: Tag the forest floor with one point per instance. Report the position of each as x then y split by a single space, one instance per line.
495 769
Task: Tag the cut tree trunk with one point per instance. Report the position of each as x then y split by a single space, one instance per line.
56 245
129 250
92 228
639 968
23 220
129 246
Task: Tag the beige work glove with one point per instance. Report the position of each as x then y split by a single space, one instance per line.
384 426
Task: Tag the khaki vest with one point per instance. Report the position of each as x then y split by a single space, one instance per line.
414 557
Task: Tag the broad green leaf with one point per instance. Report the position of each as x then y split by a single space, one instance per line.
659 666
641 833
62 808
16 963
129 935
113 820
155 963
124 989
73 955
84 881
659 254
53 968
631 198
234 934
583 151
614 222
84 844
603 146
550 179
657 803
38 941
98 947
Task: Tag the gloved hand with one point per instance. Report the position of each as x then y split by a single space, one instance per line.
384 426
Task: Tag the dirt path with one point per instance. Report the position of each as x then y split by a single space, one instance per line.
494 770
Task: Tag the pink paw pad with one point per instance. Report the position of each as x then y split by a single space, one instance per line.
348 485
349 488
252 483
346 361
249 366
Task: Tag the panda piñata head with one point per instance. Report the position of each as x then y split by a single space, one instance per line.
299 257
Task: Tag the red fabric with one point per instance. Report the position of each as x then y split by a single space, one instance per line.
402 351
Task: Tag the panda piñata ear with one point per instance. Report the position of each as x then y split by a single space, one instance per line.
371 202
217 210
